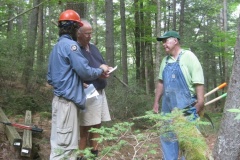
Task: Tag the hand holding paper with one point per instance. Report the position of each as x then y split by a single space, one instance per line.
113 69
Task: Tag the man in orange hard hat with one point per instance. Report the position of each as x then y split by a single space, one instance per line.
67 70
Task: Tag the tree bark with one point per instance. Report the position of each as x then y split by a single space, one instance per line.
137 38
158 30
181 24
109 33
124 42
174 16
79 7
109 36
94 23
142 46
227 145
30 49
10 23
40 44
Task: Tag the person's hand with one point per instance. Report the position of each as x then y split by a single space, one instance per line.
104 75
105 68
155 107
199 108
85 85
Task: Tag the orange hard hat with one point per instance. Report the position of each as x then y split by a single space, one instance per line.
70 15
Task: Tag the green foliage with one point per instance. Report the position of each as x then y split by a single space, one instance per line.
125 103
45 115
122 136
18 102
208 129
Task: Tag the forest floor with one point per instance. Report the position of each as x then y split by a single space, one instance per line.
41 144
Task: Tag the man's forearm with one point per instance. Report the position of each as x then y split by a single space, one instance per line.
158 91
200 97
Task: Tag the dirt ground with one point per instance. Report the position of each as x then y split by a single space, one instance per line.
41 144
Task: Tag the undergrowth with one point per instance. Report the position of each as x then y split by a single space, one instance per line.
122 135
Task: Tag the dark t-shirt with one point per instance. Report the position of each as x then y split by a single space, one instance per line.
95 60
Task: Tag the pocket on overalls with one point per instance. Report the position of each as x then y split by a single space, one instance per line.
64 136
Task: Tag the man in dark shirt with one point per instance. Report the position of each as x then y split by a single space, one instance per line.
96 107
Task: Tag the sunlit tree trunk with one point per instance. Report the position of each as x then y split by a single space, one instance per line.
124 42
227 145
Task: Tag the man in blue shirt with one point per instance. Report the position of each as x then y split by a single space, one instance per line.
67 70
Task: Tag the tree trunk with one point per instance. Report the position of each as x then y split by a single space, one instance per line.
142 46
181 24
20 30
109 36
40 44
94 23
124 42
174 16
165 15
79 7
158 30
227 145
30 49
225 29
137 38
149 70
10 23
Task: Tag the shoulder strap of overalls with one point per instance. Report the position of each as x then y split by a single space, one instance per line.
178 59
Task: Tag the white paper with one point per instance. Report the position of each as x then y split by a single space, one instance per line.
90 91
113 69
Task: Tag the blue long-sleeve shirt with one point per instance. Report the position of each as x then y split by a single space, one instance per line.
67 70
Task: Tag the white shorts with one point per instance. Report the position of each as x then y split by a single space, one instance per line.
96 111
65 128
